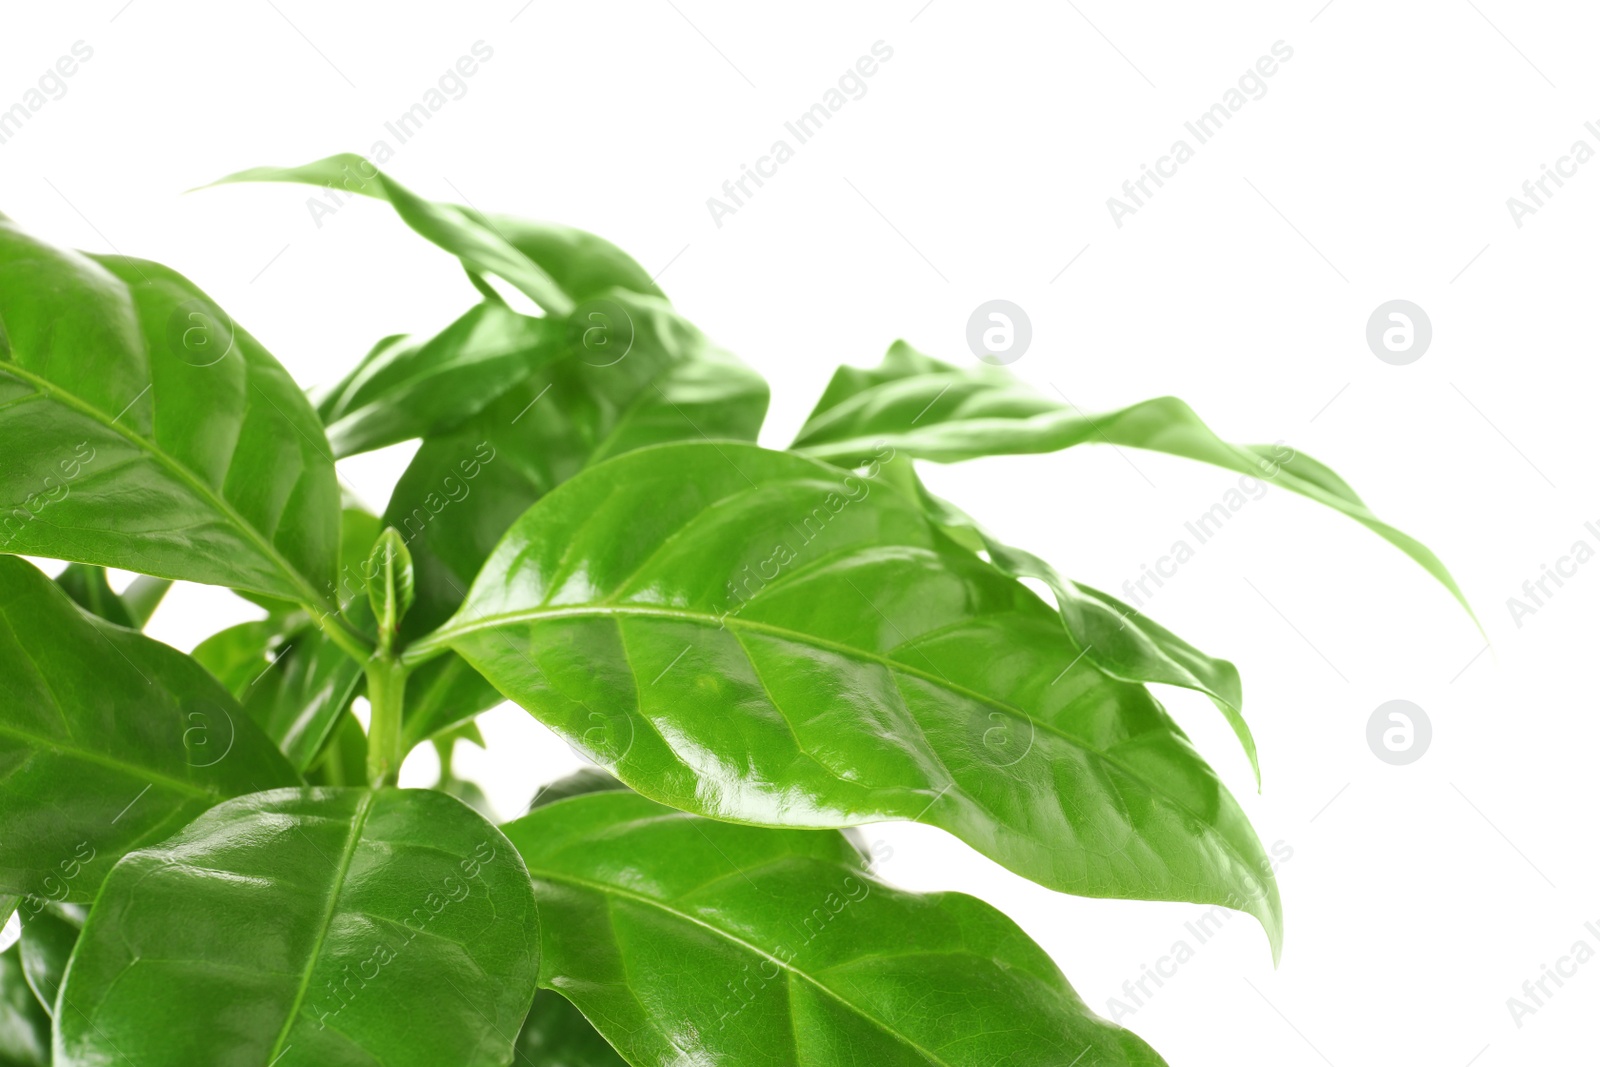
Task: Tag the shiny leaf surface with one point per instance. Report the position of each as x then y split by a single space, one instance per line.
1121 641
108 741
309 928
146 431
918 406
776 641
646 376
800 956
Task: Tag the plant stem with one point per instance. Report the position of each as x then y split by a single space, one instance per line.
386 690
356 645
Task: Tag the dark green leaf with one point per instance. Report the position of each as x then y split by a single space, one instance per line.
108 741
799 955
776 641
557 1035
647 378
24 1025
916 406
48 938
408 388
309 928
146 431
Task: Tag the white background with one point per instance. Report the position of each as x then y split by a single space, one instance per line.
978 165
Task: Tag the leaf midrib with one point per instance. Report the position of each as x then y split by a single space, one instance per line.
663 906
449 634
53 391
135 770
346 857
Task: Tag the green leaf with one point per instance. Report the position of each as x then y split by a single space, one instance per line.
309 928
88 588
646 378
776 641
557 1035
391 587
297 699
242 654
24 1025
146 431
344 758
917 406
578 783
408 388
544 260
464 232
584 265
48 938
799 955
1120 641
441 694
108 741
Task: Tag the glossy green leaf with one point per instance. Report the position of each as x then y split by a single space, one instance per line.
309 928
24 1024
646 376
48 938
408 388
144 430
557 1035
108 741
777 641
533 256
1121 641
918 406
799 955
464 232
